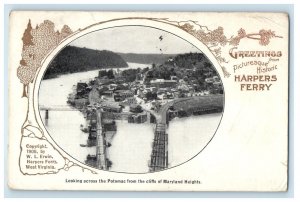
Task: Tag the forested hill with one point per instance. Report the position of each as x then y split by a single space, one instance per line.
146 58
74 59
188 66
191 60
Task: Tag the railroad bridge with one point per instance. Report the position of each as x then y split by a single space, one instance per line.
191 105
100 146
97 138
159 155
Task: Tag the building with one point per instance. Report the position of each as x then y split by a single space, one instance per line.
135 108
212 79
80 103
111 107
216 79
161 91
81 89
118 98
162 83
131 101
217 88
81 86
174 78
209 80
140 93
217 84
120 80
109 126
112 86
138 118
103 81
124 94
153 89
108 93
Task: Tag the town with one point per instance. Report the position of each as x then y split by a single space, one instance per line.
155 94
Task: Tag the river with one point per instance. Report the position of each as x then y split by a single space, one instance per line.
131 146
188 136
64 126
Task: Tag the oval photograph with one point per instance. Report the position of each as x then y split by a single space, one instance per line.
131 99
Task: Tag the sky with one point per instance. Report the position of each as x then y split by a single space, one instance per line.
135 39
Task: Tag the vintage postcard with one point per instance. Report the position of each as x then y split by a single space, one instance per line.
148 101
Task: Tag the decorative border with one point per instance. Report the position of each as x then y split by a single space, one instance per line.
39 42
215 39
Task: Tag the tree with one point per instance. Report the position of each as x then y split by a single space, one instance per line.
110 74
27 37
130 74
37 43
145 70
151 96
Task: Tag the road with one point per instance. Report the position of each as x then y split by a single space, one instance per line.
94 96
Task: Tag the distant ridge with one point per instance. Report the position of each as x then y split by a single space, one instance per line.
146 58
74 59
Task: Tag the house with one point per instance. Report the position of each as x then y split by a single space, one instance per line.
138 118
140 93
170 95
108 93
161 91
217 84
119 80
110 126
111 107
153 89
103 81
81 86
183 88
131 101
170 60
217 88
216 79
81 89
176 94
127 102
112 86
174 78
135 108
118 98
81 102
124 93
209 80
115 109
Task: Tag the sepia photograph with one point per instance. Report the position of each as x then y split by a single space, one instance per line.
131 99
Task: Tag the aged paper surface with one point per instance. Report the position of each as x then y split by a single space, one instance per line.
148 101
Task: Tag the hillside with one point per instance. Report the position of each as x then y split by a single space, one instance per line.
145 58
190 61
74 59
194 68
